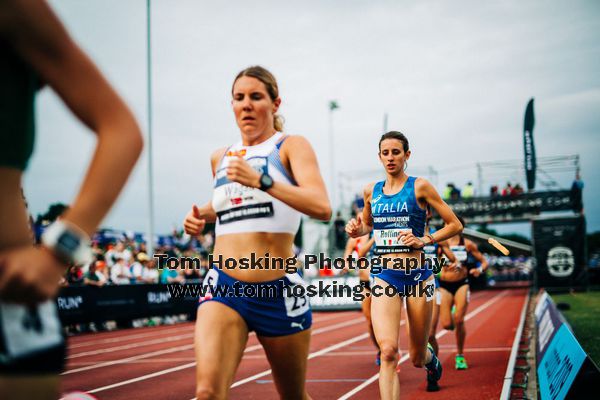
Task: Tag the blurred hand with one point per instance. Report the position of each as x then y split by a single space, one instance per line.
354 227
194 223
29 275
238 170
411 240
475 272
456 266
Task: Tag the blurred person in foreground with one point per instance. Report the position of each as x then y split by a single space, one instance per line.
36 49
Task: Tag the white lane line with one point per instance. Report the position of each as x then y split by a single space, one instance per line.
141 378
311 355
192 364
128 359
123 338
184 348
512 359
334 315
131 346
191 346
438 335
166 331
251 348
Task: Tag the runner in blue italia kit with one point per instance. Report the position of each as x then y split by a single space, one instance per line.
262 185
395 211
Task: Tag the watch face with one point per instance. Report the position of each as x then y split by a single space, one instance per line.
266 181
67 243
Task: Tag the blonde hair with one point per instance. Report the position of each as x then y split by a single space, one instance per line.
267 78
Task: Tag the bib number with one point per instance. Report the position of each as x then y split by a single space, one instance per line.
29 329
208 285
387 241
296 305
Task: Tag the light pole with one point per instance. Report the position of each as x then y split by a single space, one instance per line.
333 105
385 122
150 242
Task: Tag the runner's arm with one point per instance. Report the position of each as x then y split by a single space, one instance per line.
40 38
474 250
309 196
365 249
426 192
196 219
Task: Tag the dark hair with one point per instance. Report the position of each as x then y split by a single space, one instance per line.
395 135
267 78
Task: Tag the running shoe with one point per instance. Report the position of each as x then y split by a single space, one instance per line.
461 363
378 358
434 371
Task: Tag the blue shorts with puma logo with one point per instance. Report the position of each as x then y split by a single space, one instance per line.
400 279
270 315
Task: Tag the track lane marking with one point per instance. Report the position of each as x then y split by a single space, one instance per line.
438 335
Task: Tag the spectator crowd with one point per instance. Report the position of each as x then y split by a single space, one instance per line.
125 261
452 192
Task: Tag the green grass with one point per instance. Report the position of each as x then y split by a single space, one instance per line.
584 318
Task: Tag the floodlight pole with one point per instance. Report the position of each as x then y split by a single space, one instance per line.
150 232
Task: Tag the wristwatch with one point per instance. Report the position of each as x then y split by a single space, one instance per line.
68 243
266 182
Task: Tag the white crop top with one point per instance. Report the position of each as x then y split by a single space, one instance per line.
246 209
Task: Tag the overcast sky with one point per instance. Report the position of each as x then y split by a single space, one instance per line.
455 77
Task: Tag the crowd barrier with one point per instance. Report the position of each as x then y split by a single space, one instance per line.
77 304
80 304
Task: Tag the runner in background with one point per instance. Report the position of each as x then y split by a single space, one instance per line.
359 248
437 252
454 285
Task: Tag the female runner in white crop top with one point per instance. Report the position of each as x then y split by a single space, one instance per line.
250 220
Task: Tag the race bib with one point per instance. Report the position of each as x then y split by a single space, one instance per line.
29 329
296 305
208 285
387 241
460 252
233 201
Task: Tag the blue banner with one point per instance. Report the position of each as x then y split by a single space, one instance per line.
560 357
561 362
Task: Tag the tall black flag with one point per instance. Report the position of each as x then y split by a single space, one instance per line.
529 146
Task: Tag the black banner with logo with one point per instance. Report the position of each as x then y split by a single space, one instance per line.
559 248
529 146
510 208
90 303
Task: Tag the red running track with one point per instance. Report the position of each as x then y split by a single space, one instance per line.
158 362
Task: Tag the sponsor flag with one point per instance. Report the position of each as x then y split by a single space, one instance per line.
530 163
